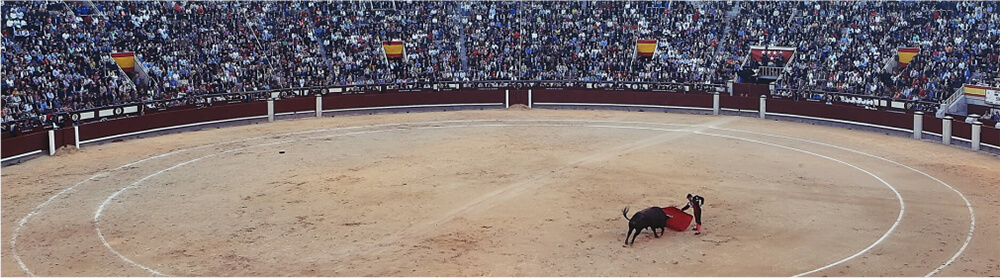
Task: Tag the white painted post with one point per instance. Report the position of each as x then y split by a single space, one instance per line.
506 98
76 136
529 98
918 124
52 142
319 105
946 130
977 134
715 103
763 106
270 109
729 87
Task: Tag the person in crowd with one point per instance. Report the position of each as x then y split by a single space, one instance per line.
196 48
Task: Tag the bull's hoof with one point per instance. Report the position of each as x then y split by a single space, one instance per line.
625 245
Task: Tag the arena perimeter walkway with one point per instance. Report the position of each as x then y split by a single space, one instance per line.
503 193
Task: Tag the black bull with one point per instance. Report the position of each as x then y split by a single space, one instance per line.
652 217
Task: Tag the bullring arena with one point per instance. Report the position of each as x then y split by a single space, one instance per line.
480 190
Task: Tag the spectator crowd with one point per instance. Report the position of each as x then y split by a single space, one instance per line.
56 55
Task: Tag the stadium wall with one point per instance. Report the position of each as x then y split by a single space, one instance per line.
193 117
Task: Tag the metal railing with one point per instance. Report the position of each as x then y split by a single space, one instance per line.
770 71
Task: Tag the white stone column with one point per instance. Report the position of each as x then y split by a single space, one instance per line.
319 105
270 109
529 98
76 136
977 134
506 98
715 103
946 130
762 111
52 142
918 124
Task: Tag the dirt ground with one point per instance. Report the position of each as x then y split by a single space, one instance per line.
502 193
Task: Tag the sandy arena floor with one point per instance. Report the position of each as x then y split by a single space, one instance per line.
503 193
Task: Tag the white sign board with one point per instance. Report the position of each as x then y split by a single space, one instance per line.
993 96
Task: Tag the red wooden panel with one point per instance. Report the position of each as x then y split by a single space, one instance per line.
406 99
295 104
991 136
622 97
25 143
741 103
519 97
961 129
847 113
932 124
171 118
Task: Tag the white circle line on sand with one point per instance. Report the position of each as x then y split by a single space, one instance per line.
968 205
972 214
100 209
902 206
882 238
24 220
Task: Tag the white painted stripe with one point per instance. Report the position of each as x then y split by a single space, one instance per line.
620 105
27 217
168 128
740 110
412 106
972 214
953 137
21 155
23 220
296 112
841 121
899 218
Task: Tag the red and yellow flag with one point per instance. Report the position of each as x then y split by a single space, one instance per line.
125 60
906 55
393 49
645 48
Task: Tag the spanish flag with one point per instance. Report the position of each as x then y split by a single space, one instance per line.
393 49
906 55
645 48
125 60
975 91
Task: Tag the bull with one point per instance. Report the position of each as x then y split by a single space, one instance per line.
652 218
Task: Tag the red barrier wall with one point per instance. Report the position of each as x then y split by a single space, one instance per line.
961 129
738 102
991 136
294 105
751 90
171 118
412 98
25 143
702 100
192 114
932 124
855 114
519 97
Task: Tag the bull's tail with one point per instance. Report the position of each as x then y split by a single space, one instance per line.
625 213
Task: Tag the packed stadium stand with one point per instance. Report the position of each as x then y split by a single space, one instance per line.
58 56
